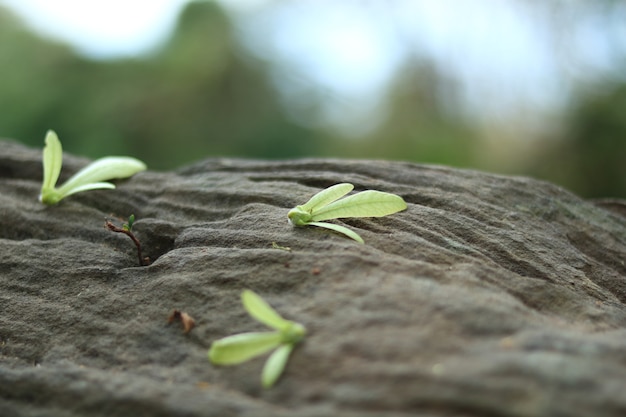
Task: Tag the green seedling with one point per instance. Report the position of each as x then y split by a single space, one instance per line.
328 204
233 350
127 229
129 225
91 177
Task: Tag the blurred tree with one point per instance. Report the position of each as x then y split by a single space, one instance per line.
420 126
30 86
590 157
204 97
197 96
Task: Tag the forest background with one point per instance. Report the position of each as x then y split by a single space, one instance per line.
215 88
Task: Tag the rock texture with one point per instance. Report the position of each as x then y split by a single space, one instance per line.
489 296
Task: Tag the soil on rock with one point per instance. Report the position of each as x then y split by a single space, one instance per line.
489 296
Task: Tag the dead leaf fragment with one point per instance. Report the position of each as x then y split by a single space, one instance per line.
187 321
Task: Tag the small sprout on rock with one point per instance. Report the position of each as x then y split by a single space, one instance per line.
328 204
187 321
127 230
91 177
129 226
233 350
277 246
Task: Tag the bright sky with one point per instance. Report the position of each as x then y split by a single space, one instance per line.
101 29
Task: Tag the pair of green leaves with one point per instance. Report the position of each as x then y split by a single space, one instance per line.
239 348
328 204
91 177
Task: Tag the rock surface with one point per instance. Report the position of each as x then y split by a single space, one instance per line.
489 296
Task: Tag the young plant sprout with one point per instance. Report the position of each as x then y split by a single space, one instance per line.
328 204
127 229
239 348
91 177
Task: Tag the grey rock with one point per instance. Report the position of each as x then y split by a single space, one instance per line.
490 296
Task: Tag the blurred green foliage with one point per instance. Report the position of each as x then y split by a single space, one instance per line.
200 95
590 157
195 97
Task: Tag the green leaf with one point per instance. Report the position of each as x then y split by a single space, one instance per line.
129 226
87 187
327 196
275 365
364 204
239 348
302 215
262 311
91 177
292 334
299 217
341 229
52 160
103 169
52 163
